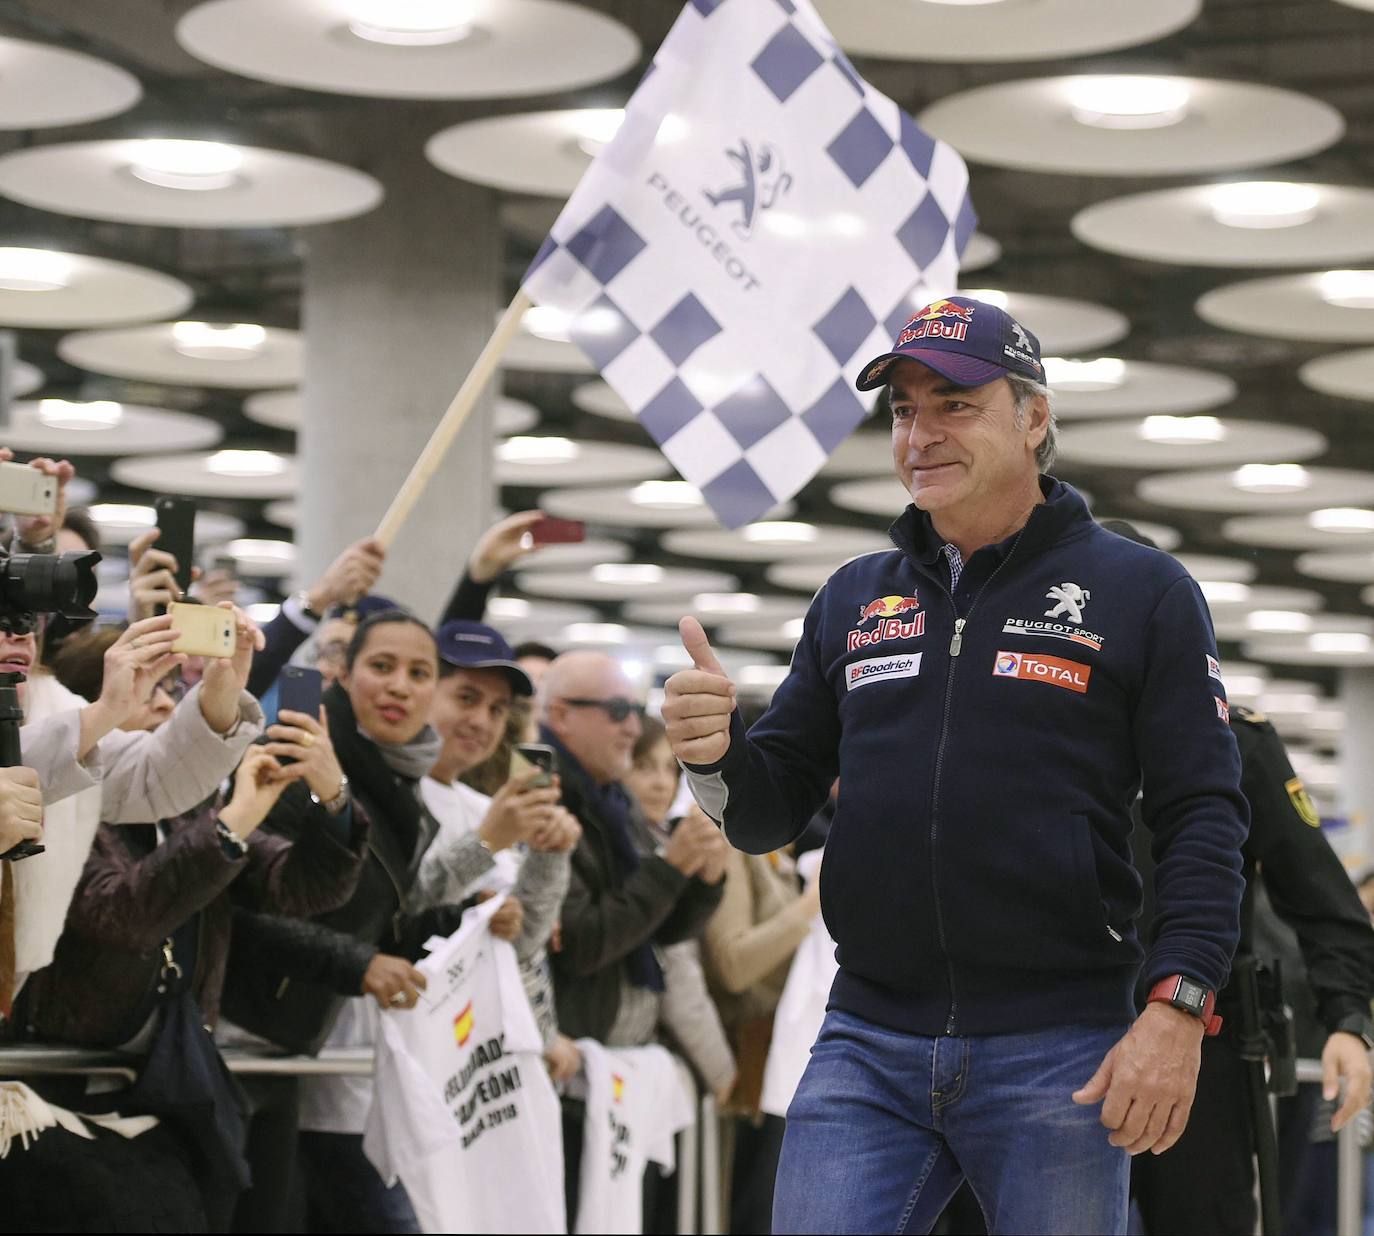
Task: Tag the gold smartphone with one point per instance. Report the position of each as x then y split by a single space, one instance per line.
205 632
527 757
26 491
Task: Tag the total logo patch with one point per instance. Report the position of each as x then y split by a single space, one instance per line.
881 669
1054 630
1057 672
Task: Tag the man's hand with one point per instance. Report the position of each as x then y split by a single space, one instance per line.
1345 1059
40 529
351 575
393 982
699 702
560 835
563 1059
693 846
257 786
508 920
21 807
715 850
1148 1080
502 546
518 812
225 678
152 576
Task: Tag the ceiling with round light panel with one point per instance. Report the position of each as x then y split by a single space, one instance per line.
1335 306
60 427
229 473
1347 375
548 459
1093 387
42 86
649 505
619 581
1061 324
776 541
486 49
240 355
543 153
1332 528
1186 442
1145 125
1267 487
50 289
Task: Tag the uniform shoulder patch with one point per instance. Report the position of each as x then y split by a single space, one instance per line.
1302 802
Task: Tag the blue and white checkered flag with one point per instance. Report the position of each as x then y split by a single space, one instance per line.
763 223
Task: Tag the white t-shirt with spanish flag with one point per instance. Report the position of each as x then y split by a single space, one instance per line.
638 1099
464 1113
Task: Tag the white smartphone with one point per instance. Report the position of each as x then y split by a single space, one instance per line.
205 632
26 491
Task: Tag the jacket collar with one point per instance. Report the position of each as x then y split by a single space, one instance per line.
1062 514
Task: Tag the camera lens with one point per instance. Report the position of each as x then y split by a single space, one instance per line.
50 583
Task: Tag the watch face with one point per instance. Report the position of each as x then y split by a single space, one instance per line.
1192 996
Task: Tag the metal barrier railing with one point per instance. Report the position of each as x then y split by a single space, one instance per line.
699 1209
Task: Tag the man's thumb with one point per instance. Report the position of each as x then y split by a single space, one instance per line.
1096 1089
699 647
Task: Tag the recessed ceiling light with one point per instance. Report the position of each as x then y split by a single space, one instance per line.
1126 101
666 495
218 340
245 463
522 450
1181 430
123 514
1271 478
1264 203
1224 591
509 607
249 547
627 573
1347 519
989 296
411 23
68 414
726 603
547 322
780 532
176 163
596 633
594 127
34 270
1339 642
1282 621
1347 289
1105 373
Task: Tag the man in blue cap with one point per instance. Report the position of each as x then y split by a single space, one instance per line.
992 694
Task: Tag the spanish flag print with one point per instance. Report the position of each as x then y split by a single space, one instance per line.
462 1025
617 1087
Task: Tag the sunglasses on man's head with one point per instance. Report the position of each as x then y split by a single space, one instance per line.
617 707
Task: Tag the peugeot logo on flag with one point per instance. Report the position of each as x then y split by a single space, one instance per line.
762 181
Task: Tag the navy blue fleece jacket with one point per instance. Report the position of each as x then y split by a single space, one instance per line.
989 745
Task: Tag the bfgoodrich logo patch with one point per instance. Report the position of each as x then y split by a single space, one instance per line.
880 669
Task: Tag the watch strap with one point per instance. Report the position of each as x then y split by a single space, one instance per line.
1170 991
1357 1024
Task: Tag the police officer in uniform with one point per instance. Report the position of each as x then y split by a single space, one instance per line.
1205 1183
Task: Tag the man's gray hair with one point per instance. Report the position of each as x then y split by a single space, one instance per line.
1023 393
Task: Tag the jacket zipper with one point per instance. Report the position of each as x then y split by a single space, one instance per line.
396 886
955 646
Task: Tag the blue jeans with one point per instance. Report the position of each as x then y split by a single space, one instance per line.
885 1126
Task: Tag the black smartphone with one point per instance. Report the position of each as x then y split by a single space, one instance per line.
542 756
299 689
176 522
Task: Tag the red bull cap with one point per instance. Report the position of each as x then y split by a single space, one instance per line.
967 341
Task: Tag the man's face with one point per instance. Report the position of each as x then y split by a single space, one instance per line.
335 634
469 714
604 747
958 448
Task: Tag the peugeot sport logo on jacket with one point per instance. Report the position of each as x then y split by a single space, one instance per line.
989 745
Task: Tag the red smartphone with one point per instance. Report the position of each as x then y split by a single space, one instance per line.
550 531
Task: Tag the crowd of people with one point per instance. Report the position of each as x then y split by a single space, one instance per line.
222 871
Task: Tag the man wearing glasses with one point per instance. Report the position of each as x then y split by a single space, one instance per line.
623 898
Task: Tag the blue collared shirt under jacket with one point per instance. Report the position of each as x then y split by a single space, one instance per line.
989 745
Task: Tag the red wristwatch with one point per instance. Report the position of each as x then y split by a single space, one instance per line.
1190 996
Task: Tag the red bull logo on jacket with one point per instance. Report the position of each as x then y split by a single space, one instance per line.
898 618
887 607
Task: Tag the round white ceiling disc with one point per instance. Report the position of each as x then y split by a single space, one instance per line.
270 188
530 352
880 495
1216 490
1062 325
283 410
600 400
43 86
1290 307
1134 388
594 462
283 514
866 452
1348 375
980 251
1300 532
25 379
1128 444
1214 567
191 475
93 291
627 581
1348 567
525 152
617 506
137 430
1164 537
1011 30
149 354
778 544
1179 226
576 554
1226 126
510 48
719 608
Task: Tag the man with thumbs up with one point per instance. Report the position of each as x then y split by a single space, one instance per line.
992 694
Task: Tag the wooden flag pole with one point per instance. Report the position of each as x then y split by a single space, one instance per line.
453 420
